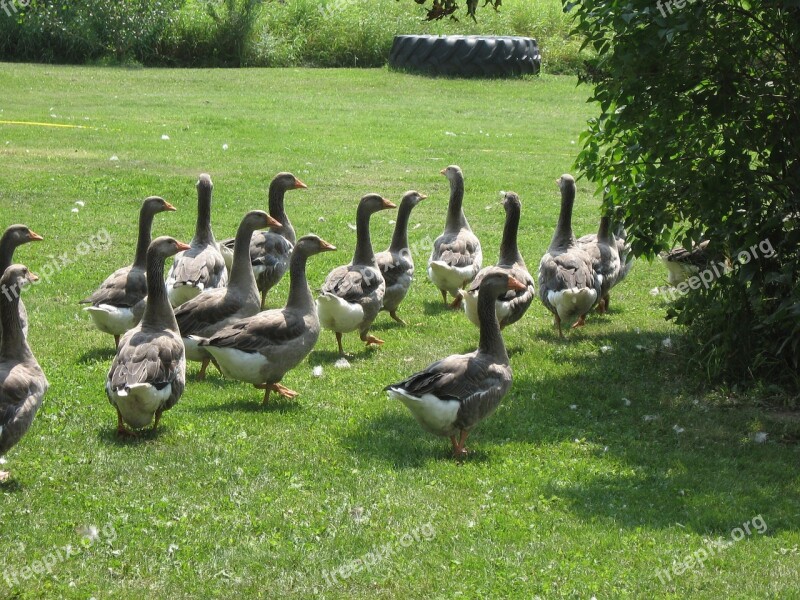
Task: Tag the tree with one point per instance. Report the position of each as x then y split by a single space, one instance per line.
698 137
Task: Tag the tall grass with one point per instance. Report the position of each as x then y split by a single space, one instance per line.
259 33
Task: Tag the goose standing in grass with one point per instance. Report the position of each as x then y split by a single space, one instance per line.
457 255
270 250
204 315
261 349
352 295
118 304
602 249
148 373
568 286
201 267
453 395
15 236
396 263
626 257
513 303
22 382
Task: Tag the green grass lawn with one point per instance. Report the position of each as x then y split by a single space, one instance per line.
602 466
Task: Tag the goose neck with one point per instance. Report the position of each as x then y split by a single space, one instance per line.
455 213
491 340
299 293
158 313
509 250
13 345
363 255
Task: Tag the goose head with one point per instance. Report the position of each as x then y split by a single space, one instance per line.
21 234
165 246
15 278
497 281
372 203
156 204
287 181
312 244
411 198
452 172
204 183
565 182
258 219
510 200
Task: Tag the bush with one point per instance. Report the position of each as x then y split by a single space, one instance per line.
697 139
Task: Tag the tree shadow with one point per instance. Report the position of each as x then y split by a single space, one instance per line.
434 307
142 436
253 404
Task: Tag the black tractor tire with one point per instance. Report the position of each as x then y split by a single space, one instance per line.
466 55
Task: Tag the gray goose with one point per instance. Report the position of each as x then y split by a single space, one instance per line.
513 303
14 236
457 255
682 263
396 263
270 250
605 260
352 295
568 286
22 382
204 315
148 373
118 304
261 349
201 267
453 395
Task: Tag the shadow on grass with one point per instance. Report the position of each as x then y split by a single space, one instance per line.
141 436
329 357
11 485
253 404
436 307
101 354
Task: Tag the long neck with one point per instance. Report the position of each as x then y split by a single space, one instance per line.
400 235
603 230
563 235
202 229
158 312
145 227
7 247
363 254
241 276
509 251
299 293
455 215
13 343
277 212
491 340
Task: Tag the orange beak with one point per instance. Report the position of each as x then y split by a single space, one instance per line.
168 206
34 237
442 172
182 246
32 277
326 246
422 196
273 223
388 204
299 185
516 284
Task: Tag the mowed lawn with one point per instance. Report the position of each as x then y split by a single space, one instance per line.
604 472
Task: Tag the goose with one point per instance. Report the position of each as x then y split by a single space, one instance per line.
270 250
353 294
457 255
626 258
209 312
148 373
202 266
22 382
396 263
453 395
13 236
568 287
603 251
513 303
682 263
261 349
118 304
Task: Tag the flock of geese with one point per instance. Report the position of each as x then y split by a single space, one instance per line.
210 307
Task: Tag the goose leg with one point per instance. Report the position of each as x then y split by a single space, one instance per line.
159 412
557 323
123 431
267 389
263 298
457 301
370 339
116 341
201 376
606 302
580 322
393 314
444 296
284 391
339 341
459 451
